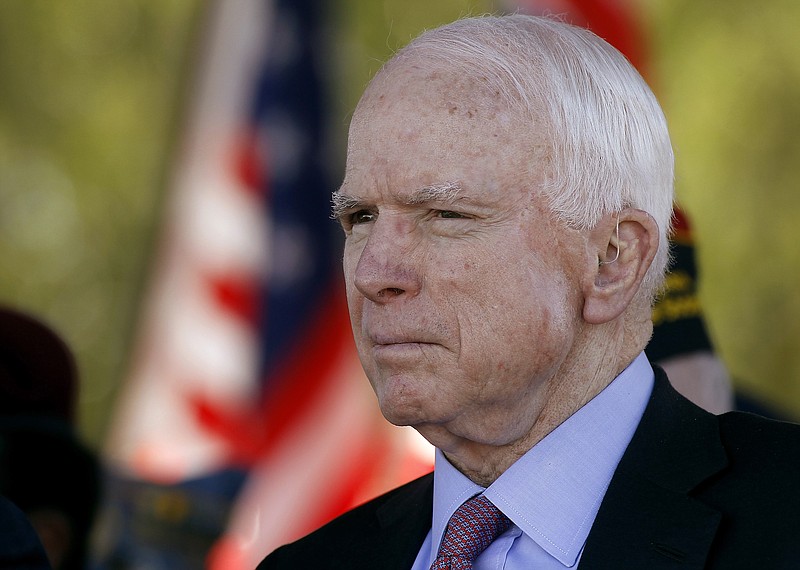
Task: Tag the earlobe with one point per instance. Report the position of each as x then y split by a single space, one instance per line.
623 245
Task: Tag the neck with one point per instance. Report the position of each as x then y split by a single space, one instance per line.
609 350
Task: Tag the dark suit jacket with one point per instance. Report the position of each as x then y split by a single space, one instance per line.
692 490
20 548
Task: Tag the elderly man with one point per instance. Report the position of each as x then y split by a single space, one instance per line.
506 205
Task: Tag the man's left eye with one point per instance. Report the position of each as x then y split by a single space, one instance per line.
449 214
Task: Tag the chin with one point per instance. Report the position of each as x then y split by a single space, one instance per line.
402 410
401 415
400 401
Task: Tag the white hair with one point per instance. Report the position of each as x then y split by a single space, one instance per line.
608 144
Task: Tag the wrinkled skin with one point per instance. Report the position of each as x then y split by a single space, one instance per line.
466 300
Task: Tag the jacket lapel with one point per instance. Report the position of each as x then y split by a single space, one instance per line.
647 518
403 523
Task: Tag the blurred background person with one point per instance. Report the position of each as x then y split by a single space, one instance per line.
20 547
680 343
45 469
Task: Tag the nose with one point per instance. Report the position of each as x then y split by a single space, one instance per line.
387 267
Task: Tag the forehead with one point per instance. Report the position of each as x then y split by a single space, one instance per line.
417 127
413 95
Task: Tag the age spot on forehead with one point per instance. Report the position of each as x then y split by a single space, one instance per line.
468 112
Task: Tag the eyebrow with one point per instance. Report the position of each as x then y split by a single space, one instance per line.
341 204
447 192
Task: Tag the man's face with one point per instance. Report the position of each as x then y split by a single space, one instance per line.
463 290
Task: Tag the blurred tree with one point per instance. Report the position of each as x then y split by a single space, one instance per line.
88 101
729 78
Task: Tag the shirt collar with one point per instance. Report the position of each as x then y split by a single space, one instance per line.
553 492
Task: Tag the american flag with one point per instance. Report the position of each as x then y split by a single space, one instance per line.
244 359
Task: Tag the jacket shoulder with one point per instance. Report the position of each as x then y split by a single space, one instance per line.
745 425
756 494
386 530
712 491
761 449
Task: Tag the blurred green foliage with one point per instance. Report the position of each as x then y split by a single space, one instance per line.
90 105
89 98
728 75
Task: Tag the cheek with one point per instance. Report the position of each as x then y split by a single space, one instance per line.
353 297
355 308
349 265
514 315
350 258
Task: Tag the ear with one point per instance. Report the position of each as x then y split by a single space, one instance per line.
622 246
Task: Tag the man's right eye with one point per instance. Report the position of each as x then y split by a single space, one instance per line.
361 217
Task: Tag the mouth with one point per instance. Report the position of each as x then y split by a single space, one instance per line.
401 342
398 342
401 351
380 340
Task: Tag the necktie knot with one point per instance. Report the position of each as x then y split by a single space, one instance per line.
471 529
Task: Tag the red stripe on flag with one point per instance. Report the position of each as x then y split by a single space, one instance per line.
236 295
247 163
307 369
291 392
362 474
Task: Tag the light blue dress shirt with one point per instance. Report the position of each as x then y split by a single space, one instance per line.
553 492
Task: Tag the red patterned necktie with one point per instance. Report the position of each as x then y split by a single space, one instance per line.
473 526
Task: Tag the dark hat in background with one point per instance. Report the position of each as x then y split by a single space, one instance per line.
44 465
38 374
